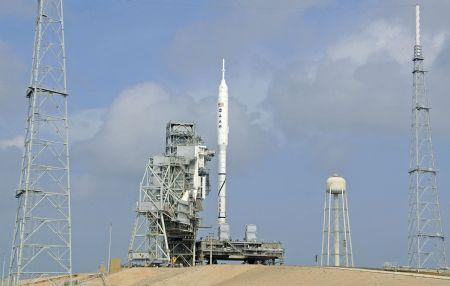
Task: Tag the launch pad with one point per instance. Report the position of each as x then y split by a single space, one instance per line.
211 251
171 195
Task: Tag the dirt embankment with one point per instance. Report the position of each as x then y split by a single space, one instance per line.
257 275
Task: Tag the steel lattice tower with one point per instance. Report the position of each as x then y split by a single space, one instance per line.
171 196
426 241
41 245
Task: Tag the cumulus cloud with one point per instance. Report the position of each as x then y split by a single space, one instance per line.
381 36
391 38
15 142
360 88
362 83
133 128
85 124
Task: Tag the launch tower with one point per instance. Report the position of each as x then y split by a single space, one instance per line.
171 193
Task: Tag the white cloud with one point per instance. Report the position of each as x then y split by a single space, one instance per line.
15 142
85 124
362 85
133 129
379 36
390 38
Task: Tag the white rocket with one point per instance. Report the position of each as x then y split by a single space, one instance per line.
222 141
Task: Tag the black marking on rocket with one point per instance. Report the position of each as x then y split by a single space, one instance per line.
221 186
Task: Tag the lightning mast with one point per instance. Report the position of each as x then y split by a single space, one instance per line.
41 245
426 241
222 142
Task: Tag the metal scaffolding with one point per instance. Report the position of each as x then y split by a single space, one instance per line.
426 240
41 245
170 196
213 251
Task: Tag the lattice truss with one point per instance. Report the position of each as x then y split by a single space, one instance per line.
426 241
42 235
162 185
170 196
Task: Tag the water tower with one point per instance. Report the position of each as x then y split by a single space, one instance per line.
336 233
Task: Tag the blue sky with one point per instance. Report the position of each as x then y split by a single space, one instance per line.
316 87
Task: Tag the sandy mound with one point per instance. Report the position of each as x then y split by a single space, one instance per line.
227 275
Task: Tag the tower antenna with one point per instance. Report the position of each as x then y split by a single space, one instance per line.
426 245
417 25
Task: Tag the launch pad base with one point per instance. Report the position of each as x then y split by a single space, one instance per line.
250 252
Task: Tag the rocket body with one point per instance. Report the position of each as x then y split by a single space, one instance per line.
222 141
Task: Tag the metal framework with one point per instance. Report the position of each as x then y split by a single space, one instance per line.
426 241
41 245
170 197
212 251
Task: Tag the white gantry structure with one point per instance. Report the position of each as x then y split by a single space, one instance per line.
426 239
222 142
41 246
336 233
171 193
